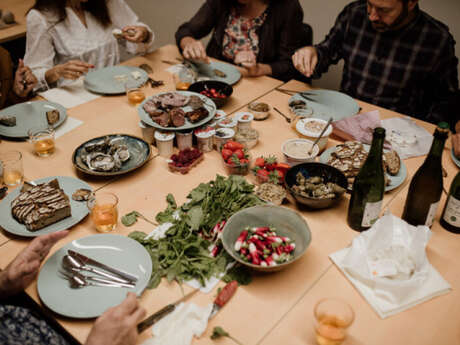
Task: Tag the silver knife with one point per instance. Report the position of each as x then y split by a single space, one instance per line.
89 261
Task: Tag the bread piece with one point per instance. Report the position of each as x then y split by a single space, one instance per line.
52 116
392 162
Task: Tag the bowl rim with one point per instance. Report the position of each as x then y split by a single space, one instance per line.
278 266
289 188
298 158
300 127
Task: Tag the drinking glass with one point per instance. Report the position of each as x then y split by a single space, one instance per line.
332 318
183 79
135 93
42 141
103 211
11 167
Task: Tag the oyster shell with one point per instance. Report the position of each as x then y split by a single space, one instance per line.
8 120
99 161
81 194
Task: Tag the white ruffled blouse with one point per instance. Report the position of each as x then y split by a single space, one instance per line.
49 44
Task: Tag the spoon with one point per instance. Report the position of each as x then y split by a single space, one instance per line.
78 281
71 263
287 118
320 136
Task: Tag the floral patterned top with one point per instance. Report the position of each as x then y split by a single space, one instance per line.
241 34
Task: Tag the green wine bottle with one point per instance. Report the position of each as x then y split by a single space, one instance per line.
450 218
426 186
368 187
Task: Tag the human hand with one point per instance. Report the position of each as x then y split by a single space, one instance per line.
305 60
245 58
194 50
72 69
456 144
118 325
24 80
24 268
136 34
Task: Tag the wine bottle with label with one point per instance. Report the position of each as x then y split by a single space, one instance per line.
450 218
368 187
426 186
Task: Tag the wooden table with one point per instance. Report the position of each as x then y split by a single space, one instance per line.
19 8
275 308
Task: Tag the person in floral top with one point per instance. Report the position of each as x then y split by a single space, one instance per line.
257 35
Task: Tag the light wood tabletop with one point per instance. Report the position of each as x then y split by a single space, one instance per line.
275 308
19 8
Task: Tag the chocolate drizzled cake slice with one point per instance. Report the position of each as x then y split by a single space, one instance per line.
42 205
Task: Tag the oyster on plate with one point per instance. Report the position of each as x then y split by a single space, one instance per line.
106 155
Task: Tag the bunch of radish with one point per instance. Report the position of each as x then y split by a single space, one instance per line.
262 246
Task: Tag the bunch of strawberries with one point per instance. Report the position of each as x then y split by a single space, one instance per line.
234 154
267 169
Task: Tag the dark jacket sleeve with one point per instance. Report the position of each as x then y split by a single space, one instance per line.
291 19
201 23
330 49
444 78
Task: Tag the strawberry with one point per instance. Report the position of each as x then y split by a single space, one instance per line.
282 166
260 162
239 153
233 145
226 153
270 163
244 161
262 174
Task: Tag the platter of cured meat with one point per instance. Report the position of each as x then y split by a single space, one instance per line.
177 110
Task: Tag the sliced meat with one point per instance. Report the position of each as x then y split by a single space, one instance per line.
197 114
173 99
177 117
150 107
162 120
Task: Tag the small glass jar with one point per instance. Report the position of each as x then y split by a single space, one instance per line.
221 136
164 141
204 138
184 139
244 120
228 122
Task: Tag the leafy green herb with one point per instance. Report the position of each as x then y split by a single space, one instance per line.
219 332
240 273
131 218
183 254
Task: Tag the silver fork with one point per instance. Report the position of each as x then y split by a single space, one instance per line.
78 280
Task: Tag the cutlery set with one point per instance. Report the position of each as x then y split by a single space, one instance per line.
74 264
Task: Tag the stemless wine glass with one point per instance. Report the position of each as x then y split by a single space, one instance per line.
42 141
134 92
332 318
103 211
11 167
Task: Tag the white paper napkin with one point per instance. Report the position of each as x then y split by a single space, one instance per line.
181 326
69 95
69 124
405 127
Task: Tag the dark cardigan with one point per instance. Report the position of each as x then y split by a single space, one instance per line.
279 36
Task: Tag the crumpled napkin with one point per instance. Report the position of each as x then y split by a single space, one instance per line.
389 267
406 137
180 326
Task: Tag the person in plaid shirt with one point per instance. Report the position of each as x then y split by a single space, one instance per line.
396 56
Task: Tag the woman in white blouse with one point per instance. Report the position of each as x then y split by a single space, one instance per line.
65 38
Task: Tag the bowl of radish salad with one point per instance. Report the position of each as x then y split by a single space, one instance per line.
266 238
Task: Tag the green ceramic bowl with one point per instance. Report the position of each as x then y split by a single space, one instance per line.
287 223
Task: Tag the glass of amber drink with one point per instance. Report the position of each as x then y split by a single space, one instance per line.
103 211
11 169
332 318
135 93
42 141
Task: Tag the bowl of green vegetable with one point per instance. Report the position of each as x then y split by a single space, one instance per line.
266 238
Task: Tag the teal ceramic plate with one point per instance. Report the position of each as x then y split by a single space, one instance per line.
112 80
206 72
78 208
328 103
30 115
91 301
455 159
139 151
208 104
395 181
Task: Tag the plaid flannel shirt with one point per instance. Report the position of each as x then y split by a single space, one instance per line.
412 70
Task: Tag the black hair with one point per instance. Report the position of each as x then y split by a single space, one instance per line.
98 8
